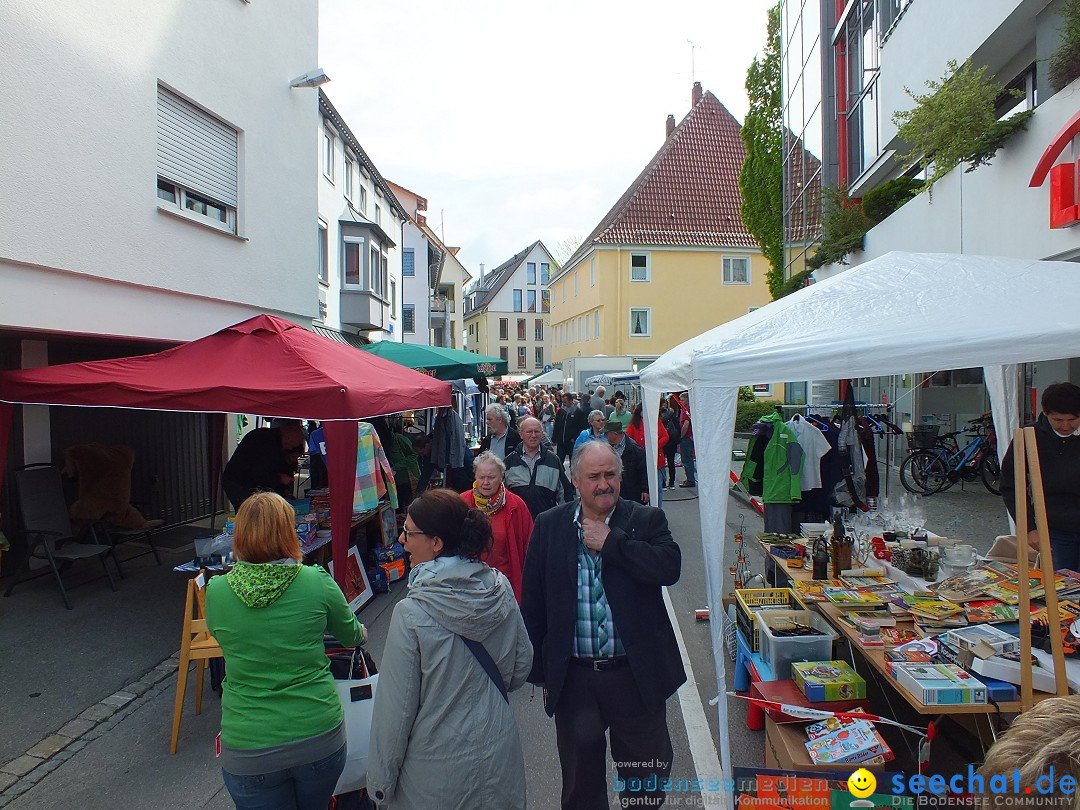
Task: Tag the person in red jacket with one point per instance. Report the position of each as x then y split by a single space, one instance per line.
511 522
636 431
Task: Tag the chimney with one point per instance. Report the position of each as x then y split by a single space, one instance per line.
670 126
695 95
481 285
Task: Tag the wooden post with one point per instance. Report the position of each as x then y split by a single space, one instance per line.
1024 605
1053 618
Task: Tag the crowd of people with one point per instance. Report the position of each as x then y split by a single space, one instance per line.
538 572
526 577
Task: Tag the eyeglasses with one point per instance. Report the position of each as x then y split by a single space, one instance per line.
407 532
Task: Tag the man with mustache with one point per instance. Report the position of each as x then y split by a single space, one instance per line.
604 648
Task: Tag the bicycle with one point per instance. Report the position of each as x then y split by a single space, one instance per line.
926 471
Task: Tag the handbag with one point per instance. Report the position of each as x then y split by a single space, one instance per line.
355 678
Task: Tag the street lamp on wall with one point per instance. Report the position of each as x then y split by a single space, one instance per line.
312 78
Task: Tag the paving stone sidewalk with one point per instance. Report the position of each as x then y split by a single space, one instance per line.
25 771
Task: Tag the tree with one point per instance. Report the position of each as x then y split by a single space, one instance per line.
761 178
563 249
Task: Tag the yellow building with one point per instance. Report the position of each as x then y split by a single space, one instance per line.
672 258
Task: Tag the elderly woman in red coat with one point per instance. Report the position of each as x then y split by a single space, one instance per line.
511 522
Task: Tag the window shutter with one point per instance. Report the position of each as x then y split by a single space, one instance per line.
196 150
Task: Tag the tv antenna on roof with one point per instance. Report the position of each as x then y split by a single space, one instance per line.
693 73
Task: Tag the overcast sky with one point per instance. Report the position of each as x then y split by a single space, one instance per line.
523 121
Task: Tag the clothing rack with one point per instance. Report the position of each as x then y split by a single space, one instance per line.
864 407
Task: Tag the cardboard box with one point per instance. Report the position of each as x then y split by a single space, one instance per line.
785 749
828 680
940 684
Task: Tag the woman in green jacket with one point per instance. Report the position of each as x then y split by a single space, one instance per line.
282 731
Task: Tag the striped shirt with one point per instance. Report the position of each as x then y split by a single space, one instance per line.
593 613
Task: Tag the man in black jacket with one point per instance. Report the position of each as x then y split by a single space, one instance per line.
635 481
501 437
604 648
1057 436
575 421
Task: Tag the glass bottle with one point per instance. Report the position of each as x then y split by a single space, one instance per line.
821 558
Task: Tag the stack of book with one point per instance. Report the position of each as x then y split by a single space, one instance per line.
929 612
853 598
813 590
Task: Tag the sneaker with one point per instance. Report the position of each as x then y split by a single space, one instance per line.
688 484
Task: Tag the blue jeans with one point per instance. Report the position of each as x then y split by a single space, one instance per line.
686 450
1065 549
306 787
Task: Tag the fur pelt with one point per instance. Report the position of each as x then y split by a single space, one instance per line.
104 475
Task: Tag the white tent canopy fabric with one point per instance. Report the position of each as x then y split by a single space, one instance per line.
897 314
553 377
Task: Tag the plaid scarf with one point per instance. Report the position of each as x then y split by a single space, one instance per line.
489 506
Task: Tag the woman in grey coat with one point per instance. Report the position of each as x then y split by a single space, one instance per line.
443 735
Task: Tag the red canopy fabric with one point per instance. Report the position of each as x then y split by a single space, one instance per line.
264 365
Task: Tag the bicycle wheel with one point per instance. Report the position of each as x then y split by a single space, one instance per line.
990 473
923 472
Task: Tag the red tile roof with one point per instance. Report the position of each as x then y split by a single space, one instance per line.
689 192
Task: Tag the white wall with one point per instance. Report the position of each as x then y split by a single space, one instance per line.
333 206
503 303
932 33
78 167
415 290
990 211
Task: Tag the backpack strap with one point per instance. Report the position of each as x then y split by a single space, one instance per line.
485 660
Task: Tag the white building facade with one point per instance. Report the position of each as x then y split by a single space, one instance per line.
507 312
846 71
360 237
157 186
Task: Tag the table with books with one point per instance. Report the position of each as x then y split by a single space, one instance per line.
941 647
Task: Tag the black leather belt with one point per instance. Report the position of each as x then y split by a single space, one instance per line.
601 664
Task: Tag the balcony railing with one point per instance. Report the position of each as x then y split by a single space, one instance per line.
442 304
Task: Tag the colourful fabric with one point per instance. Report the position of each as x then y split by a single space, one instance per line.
511 528
374 475
637 434
489 506
259 585
587 435
278 686
783 464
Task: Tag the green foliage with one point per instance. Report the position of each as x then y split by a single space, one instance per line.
746 413
1065 61
955 122
746 394
844 226
880 202
796 282
761 177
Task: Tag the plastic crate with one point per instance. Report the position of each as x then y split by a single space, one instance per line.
922 437
749 601
779 652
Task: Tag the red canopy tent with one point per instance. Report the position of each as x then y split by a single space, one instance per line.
264 365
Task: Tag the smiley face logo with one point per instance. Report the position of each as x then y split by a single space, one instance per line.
861 783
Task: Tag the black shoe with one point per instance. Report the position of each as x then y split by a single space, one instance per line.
688 484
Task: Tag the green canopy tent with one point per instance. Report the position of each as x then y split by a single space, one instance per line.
440 363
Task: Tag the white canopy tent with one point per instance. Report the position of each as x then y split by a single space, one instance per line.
897 314
553 377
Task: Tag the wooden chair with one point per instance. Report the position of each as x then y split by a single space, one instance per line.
196 644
